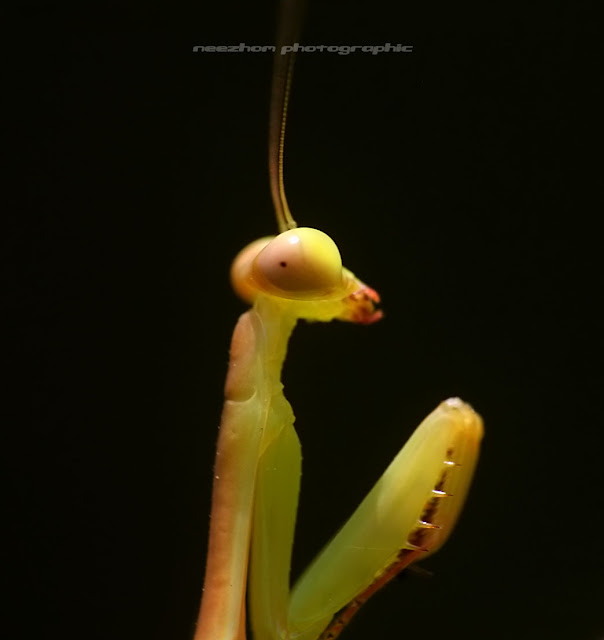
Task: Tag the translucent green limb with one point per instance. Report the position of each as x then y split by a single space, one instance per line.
278 486
405 510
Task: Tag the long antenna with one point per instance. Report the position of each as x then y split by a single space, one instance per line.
288 33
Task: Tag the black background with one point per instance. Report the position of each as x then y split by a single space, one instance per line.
458 180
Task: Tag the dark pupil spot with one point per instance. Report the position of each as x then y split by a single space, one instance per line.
283 264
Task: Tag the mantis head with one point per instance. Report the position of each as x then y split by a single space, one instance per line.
303 269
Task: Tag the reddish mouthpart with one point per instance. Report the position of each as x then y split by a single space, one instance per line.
361 306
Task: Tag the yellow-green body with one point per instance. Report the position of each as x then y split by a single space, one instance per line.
258 468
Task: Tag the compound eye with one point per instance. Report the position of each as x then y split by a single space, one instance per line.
299 263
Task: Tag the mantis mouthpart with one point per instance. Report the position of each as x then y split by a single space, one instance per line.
406 516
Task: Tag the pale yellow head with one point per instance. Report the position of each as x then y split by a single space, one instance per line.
303 268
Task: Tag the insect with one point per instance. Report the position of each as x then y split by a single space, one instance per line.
408 514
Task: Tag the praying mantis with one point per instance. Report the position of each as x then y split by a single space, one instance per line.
408 514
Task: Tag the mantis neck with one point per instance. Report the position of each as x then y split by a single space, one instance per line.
277 325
